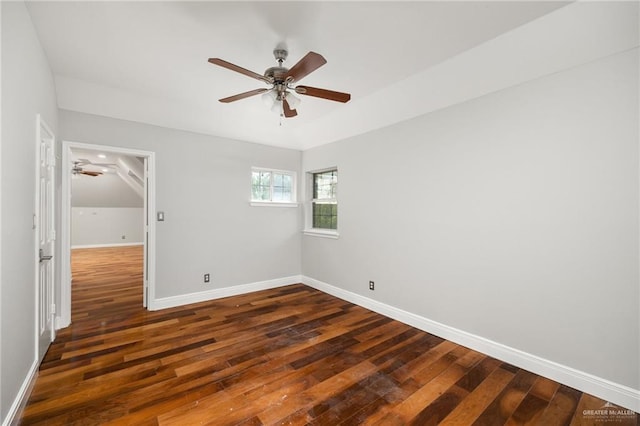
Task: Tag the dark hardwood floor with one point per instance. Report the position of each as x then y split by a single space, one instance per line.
291 355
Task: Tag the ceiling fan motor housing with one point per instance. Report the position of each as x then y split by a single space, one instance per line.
276 74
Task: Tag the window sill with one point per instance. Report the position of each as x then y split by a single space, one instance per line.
323 233
271 204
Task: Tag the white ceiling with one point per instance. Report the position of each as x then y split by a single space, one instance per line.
147 61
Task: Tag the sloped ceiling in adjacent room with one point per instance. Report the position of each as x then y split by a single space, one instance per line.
109 189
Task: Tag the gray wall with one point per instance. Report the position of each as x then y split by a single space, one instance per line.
105 210
202 185
513 217
105 226
27 89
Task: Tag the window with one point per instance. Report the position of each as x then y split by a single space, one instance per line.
324 205
272 186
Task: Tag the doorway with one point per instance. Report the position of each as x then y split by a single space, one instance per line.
91 168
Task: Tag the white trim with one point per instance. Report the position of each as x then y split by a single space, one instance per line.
149 275
269 169
294 188
272 204
324 233
1 202
616 393
15 411
308 205
85 246
63 318
64 313
218 293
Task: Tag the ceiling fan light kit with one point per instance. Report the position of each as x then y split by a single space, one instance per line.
280 96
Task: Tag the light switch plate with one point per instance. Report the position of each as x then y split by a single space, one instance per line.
160 216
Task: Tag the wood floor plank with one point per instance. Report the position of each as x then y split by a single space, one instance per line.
561 407
472 406
289 355
503 406
408 409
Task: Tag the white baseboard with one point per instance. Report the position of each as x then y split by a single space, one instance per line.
15 411
61 322
615 393
218 293
105 245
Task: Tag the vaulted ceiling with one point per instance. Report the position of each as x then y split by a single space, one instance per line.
115 186
147 61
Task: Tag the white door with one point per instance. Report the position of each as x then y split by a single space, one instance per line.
45 228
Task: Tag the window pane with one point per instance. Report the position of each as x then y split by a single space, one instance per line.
325 216
278 195
265 178
281 187
261 186
324 185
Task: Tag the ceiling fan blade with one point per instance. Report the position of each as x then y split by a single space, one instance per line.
323 93
88 173
243 95
236 68
288 112
305 66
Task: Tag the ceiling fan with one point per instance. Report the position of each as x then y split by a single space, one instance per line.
280 96
78 168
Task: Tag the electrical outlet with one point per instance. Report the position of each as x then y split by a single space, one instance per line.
124 237
207 278
372 285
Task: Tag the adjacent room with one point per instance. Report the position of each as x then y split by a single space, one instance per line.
320 212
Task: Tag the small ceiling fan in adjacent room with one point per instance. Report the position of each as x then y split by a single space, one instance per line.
80 167
280 95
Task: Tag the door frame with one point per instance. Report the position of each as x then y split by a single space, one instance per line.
44 131
149 267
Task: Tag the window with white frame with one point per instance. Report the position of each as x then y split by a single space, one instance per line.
324 204
273 186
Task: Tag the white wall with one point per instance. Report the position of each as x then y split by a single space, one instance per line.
513 217
27 89
106 226
202 185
